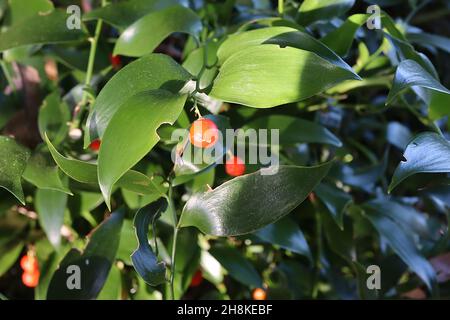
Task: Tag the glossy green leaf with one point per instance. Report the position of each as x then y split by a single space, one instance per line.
281 36
410 74
402 243
264 199
94 263
424 39
155 71
123 145
144 259
237 266
13 161
19 10
51 206
136 41
286 234
341 39
316 10
40 29
53 118
266 76
335 200
426 153
86 172
122 14
44 174
295 130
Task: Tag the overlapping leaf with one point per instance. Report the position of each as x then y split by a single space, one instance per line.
264 199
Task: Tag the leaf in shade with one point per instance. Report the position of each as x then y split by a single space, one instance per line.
237 266
398 134
426 153
53 118
9 257
403 245
13 161
410 74
136 41
112 290
40 29
94 263
124 145
286 234
154 71
427 39
335 200
316 10
266 76
122 14
86 172
42 172
281 36
144 259
295 130
264 199
341 39
51 206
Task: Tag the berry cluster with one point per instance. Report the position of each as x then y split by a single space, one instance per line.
30 267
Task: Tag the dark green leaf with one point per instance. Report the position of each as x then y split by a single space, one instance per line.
411 74
403 245
136 41
144 260
341 39
295 130
286 234
95 262
122 14
13 161
426 153
237 266
264 199
335 200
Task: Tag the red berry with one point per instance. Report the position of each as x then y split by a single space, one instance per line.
197 279
115 61
95 145
31 279
235 166
203 133
29 263
259 294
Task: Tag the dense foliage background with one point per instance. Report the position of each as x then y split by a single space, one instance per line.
87 114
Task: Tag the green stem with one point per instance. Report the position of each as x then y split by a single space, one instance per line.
315 292
89 71
174 241
280 7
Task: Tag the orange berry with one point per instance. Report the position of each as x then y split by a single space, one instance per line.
197 279
259 294
29 263
31 279
95 145
235 166
203 133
